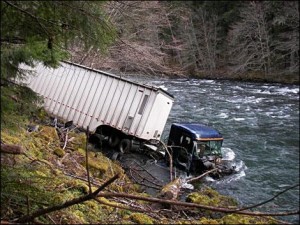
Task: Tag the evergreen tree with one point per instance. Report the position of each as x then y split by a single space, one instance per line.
42 31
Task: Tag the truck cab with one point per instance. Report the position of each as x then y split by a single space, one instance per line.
196 148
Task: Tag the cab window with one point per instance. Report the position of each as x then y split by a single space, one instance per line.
208 148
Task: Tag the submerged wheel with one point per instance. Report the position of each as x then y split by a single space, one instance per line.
125 145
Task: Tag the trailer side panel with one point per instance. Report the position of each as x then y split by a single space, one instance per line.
91 98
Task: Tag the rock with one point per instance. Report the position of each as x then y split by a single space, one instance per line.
32 128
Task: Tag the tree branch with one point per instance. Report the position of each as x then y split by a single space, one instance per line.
74 201
13 40
264 202
170 158
29 14
194 205
201 176
86 160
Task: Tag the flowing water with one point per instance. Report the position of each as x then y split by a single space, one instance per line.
260 125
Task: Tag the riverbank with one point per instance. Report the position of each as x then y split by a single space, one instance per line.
252 77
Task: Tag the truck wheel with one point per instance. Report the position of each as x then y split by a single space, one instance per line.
113 140
125 145
115 156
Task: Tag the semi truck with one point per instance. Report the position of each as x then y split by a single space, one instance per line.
123 114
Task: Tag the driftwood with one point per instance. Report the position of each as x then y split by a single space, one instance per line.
11 149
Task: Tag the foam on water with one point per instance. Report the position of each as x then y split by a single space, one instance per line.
240 168
238 119
285 90
228 154
223 115
233 177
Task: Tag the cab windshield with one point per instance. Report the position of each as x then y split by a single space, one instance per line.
205 148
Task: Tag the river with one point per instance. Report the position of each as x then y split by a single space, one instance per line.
260 125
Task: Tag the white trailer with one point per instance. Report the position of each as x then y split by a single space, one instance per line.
93 98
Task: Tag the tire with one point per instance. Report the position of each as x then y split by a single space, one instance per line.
113 140
125 145
115 156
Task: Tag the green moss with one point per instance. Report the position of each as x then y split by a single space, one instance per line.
100 166
78 140
204 220
10 138
141 218
245 219
211 197
42 114
59 152
48 134
125 213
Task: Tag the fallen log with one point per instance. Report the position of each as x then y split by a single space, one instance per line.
169 192
11 149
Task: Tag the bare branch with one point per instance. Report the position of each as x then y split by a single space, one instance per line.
201 176
170 158
194 205
74 201
87 160
264 202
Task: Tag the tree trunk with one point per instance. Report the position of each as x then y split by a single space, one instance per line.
11 149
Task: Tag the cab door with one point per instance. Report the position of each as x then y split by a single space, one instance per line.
184 151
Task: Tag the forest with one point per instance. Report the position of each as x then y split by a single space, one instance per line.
247 40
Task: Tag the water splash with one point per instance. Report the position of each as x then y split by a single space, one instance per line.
228 154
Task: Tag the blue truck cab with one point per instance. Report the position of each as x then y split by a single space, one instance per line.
196 148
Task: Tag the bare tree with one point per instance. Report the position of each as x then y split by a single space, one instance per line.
139 24
147 43
287 42
250 40
206 36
